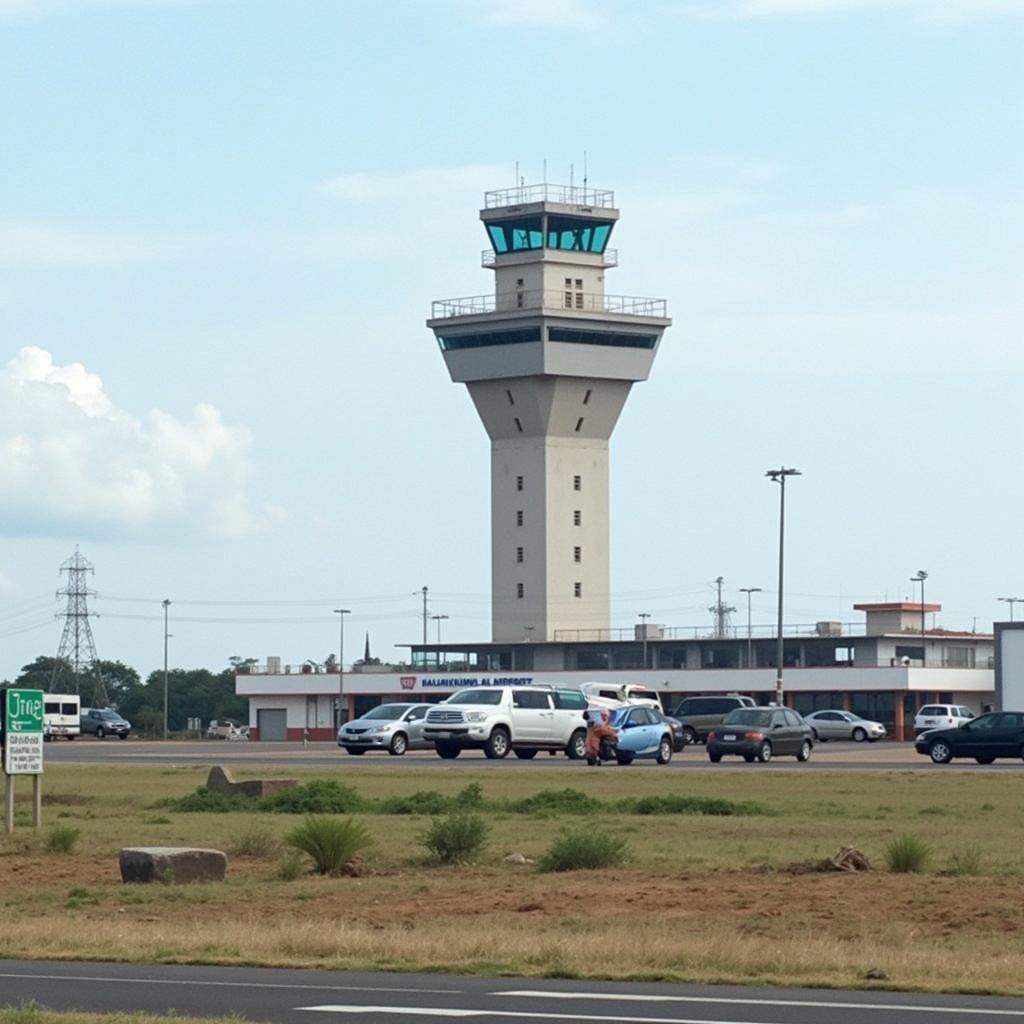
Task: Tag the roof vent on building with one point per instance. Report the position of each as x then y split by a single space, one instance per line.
273 664
828 627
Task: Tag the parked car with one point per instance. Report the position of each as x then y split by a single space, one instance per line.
941 716
643 733
499 719
227 729
104 722
395 728
843 725
759 734
699 714
999 734
61 714
678 735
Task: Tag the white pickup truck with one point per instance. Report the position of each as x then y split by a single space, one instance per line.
614 695
497 719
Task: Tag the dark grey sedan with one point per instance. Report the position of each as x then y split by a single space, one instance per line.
759 734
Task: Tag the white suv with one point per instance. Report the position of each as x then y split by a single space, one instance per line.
497 719
941 716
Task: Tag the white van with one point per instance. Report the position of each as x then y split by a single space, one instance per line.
60 715
614 695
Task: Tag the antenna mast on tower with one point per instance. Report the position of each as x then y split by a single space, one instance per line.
77 646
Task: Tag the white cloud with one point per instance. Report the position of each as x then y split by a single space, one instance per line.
33 243
70 460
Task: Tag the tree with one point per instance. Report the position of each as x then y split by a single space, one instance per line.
121 681
38 674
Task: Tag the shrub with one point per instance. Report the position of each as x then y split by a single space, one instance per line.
255 842
457 839
676 804
965 862
557 801
331 842
470 796
205 800
907 854
584 849
290 867
425 801
321 796
62 839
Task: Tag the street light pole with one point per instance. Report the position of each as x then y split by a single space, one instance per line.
166 604
341 613
750 643
643 617
779 476
1011 601
920 578
437 619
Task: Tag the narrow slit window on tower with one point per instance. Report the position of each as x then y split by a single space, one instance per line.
586 397
520 590
512 401
519 483
577 483
577 554
519 517
577 518
577 590
519 554
519 425
579 285
579 424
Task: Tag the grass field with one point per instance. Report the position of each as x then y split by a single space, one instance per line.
702 898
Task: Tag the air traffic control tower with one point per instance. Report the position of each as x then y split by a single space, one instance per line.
549 359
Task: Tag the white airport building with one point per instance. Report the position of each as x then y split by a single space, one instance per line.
549 359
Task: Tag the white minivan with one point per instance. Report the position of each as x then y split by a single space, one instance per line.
941 716
60 715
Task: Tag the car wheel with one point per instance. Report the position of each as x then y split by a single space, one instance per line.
665 750
940 752
576 748
764 752
356 751
714 758
123 736
749 758
805 751
526 755
100 734
71 736
859 735
399 744
691 736
498 744
987 759
449 751
623 759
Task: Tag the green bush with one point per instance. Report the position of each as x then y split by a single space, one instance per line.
62 839
255 842
425 801
907 854
456 839
321 796
204 799
330 842
965 862
470 796
290 866
557 801
583 849
676 804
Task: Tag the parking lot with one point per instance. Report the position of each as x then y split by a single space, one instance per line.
830 756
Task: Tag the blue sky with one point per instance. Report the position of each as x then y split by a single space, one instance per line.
222 223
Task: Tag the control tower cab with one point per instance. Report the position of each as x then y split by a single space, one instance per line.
549 360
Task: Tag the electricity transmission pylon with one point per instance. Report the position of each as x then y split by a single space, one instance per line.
77 650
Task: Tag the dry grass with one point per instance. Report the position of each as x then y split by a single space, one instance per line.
712 902
30 1013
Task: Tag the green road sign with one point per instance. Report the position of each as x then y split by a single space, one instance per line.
23 732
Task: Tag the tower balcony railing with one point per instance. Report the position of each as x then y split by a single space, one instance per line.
548 299
488 257
573 195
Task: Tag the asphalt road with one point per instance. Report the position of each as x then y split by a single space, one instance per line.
830 756
318 997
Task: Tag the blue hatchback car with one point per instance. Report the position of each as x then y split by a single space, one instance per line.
642 733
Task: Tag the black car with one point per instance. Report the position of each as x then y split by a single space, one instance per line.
999 734
759 734
678 732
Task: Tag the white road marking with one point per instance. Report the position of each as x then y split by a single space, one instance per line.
427 1011
644 998
192 983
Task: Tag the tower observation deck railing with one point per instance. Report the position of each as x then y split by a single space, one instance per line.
572 195
489 259
548 299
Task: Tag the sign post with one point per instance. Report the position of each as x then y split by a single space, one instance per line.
23 749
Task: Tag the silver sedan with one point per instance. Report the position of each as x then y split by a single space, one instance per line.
844 725
395 728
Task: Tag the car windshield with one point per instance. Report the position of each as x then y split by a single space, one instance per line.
387 712
110 716
748 716
476 697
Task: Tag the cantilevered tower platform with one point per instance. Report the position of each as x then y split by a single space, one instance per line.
549 359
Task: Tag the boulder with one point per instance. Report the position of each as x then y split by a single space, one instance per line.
172 865
220 780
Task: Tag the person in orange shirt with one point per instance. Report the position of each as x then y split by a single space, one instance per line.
596 732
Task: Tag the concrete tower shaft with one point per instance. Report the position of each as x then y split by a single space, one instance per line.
549 359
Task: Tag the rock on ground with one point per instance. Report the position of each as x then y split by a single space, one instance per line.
220 780
177 865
